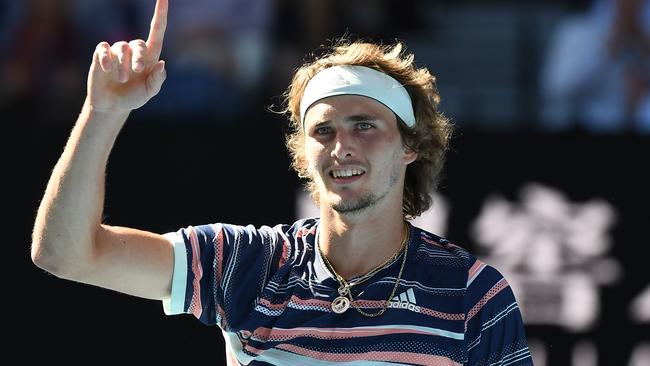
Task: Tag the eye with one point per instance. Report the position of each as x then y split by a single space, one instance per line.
322 130
364 126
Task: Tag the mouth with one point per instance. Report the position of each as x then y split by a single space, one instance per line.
346 175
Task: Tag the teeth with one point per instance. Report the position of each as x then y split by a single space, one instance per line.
346 173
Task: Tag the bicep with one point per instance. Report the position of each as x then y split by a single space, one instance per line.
132 261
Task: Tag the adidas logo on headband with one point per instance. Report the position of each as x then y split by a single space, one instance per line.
341 81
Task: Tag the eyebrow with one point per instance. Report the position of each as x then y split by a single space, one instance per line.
361 117
352 118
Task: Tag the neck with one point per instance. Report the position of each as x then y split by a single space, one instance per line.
354 246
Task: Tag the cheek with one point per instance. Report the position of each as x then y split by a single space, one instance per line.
378 146
391 153
313 154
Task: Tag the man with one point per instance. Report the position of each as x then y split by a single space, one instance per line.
359 285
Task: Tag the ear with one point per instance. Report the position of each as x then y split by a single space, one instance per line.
409 155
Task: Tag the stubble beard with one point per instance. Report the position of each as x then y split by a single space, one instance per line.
367 200
355 207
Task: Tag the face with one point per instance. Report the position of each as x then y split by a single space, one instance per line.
355 153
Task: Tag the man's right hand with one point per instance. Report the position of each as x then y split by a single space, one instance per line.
124 76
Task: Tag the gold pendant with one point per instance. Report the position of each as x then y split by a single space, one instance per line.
340 304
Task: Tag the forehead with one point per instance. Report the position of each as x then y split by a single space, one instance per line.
341 106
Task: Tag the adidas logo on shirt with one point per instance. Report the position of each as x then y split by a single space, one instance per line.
405 300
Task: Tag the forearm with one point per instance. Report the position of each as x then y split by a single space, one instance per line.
71 209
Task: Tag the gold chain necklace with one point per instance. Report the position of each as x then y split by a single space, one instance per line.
342 303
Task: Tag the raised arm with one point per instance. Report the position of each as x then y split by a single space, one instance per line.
69 239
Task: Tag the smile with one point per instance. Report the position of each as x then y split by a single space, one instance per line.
346 173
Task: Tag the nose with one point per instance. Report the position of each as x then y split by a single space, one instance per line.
343 146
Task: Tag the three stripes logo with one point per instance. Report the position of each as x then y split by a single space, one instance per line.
405 300
341 81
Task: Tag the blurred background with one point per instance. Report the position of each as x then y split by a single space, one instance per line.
546 178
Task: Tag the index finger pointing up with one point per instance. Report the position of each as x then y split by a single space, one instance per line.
157 30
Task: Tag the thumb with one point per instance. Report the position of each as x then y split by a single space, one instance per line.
156 78
96 75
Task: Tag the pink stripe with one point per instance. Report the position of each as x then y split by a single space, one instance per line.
195 305
304 231
309 302
222 315
475 270
441 315
294 300
267 304
370 304
475 267
403 357
378 304
490 294
285 253
432 242
218 251
363 304
282 335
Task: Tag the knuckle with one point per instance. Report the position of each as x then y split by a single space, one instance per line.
102 49
137 43
119 45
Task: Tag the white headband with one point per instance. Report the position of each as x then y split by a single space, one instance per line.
358 80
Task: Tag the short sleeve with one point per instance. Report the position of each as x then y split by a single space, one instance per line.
494 326
220 270
175 304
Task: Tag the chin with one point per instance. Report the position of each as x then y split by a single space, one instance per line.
354 206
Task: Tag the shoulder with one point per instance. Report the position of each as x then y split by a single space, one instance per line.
438 250
297 229
457 260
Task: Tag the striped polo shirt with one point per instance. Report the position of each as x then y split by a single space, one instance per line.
270 292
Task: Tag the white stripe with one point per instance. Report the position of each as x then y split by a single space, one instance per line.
231 262
490 323
436 253
411 296
474 343
281 357
522 357
434 290
513 357
176 303
293 281
499 316
478 272
351 330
